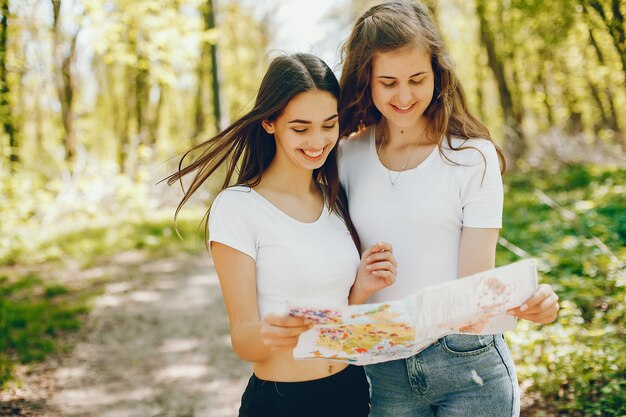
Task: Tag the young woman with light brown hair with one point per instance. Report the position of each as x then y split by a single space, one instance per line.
421 172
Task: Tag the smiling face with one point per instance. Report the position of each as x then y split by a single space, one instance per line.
306 131
402 85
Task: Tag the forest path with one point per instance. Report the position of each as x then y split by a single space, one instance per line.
155 344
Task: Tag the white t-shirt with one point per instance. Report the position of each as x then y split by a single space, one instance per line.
310 264
423 214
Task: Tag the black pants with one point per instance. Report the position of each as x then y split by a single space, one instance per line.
344 394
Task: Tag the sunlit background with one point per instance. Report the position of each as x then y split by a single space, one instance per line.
105 311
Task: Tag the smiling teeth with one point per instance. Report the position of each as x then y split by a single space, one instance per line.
313 154
404 108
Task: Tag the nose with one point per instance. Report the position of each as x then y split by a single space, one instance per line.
319 140
405 95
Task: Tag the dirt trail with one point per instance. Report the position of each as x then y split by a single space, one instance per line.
155 344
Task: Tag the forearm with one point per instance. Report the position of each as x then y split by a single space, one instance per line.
357 296
248 343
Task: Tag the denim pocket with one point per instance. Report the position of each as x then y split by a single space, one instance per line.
466 344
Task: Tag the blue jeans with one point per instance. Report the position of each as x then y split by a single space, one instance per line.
457 376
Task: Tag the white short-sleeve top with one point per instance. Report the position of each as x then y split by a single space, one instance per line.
310 264
423 214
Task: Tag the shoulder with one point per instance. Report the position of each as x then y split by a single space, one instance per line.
235 198
356 142
235 193
475 151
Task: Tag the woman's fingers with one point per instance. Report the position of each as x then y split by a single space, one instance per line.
380 247
282 332
377 257
542 307
381 265
285 321
542 292
387 276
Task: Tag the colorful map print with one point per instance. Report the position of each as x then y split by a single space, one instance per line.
369 330
373 333
316 315
366 339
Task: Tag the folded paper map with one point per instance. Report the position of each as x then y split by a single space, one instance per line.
372 333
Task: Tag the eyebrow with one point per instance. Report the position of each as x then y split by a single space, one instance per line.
393 78
308 122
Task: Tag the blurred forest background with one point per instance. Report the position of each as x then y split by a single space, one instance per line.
98 97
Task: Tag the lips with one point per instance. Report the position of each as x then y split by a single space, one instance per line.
403 109
313 155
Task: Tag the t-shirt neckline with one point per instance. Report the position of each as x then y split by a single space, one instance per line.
271 205
420 166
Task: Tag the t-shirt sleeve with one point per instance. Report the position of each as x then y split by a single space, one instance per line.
231 224
483 195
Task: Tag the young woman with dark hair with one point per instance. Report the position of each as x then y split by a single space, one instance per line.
282 234
420 171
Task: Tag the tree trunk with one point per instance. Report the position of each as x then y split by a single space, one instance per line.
618 32
155 118
65 81
574 124
126 117
209 21
615 26
515 143
5 99
200 99
546 100
480 80
142 97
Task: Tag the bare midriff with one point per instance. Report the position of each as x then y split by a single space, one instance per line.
282 367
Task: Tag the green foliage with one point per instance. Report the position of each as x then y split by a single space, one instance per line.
6 369
32 314
577 366
88 218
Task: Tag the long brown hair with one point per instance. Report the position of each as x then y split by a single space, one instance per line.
391 26
247 149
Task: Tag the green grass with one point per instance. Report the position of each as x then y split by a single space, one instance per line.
157 237
32 316
577 366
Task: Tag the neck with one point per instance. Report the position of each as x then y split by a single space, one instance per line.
399 137
293 180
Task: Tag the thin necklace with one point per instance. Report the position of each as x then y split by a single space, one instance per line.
394 179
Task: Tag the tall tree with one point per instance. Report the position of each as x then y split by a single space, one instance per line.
209 19
5 94
515 143
610 113
208 63
64 78
612 17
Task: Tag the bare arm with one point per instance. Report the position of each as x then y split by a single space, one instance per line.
377 270
253 339
478 253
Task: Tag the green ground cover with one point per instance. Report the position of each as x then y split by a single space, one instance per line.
574 222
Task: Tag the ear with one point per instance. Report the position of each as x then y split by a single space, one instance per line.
268 126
